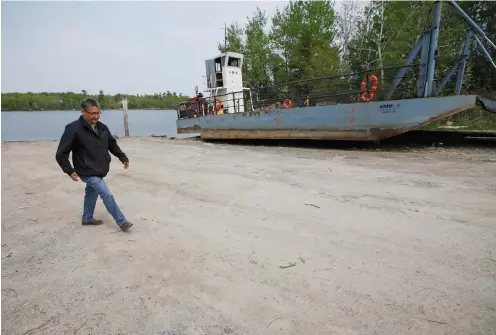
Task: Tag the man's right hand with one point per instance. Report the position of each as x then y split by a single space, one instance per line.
74 176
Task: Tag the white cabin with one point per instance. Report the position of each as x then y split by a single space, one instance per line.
225 80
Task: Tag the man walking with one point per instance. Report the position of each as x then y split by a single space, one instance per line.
90 141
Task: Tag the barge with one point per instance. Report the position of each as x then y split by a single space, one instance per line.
358 106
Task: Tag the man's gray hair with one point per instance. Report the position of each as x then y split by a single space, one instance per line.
87 103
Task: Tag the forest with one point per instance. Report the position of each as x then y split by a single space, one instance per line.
307 39
70 100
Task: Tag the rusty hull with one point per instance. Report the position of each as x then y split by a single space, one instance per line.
188 126
277 134
371 134
356 122
189 130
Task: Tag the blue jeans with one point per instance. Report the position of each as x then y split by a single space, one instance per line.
95 186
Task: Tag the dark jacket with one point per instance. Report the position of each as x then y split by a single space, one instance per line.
89 151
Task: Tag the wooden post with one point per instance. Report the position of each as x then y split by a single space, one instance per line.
126 126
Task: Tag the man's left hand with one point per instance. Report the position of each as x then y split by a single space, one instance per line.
126 165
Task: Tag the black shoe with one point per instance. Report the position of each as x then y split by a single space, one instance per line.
92 223
126 226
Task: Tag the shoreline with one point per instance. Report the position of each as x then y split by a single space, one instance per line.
77 110
120 138
418 138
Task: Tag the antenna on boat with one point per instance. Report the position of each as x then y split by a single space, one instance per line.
225 36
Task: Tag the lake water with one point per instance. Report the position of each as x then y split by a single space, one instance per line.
49 125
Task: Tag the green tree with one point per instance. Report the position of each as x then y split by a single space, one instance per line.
385 35
483 75
302 35
101 98
302 39
257 51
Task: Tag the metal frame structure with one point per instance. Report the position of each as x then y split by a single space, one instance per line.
428 48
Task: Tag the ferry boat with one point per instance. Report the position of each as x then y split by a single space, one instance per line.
357 106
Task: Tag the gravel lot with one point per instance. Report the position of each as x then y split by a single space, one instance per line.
237 239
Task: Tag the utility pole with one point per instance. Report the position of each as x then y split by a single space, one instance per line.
124 109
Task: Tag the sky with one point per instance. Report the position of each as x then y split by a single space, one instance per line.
115 46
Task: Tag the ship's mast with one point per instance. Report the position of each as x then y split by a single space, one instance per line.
225 36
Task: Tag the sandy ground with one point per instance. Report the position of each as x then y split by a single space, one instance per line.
380 242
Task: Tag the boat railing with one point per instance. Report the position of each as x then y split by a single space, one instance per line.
237 102
358 87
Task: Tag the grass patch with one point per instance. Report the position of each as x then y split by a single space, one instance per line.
473 119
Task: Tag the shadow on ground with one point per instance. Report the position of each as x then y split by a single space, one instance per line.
417 139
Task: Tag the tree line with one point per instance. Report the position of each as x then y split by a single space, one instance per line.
72 101
310 39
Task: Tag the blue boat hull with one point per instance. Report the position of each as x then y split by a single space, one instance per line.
359 121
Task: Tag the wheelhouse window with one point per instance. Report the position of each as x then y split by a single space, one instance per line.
233 62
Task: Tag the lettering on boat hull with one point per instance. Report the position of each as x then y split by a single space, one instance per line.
389 107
